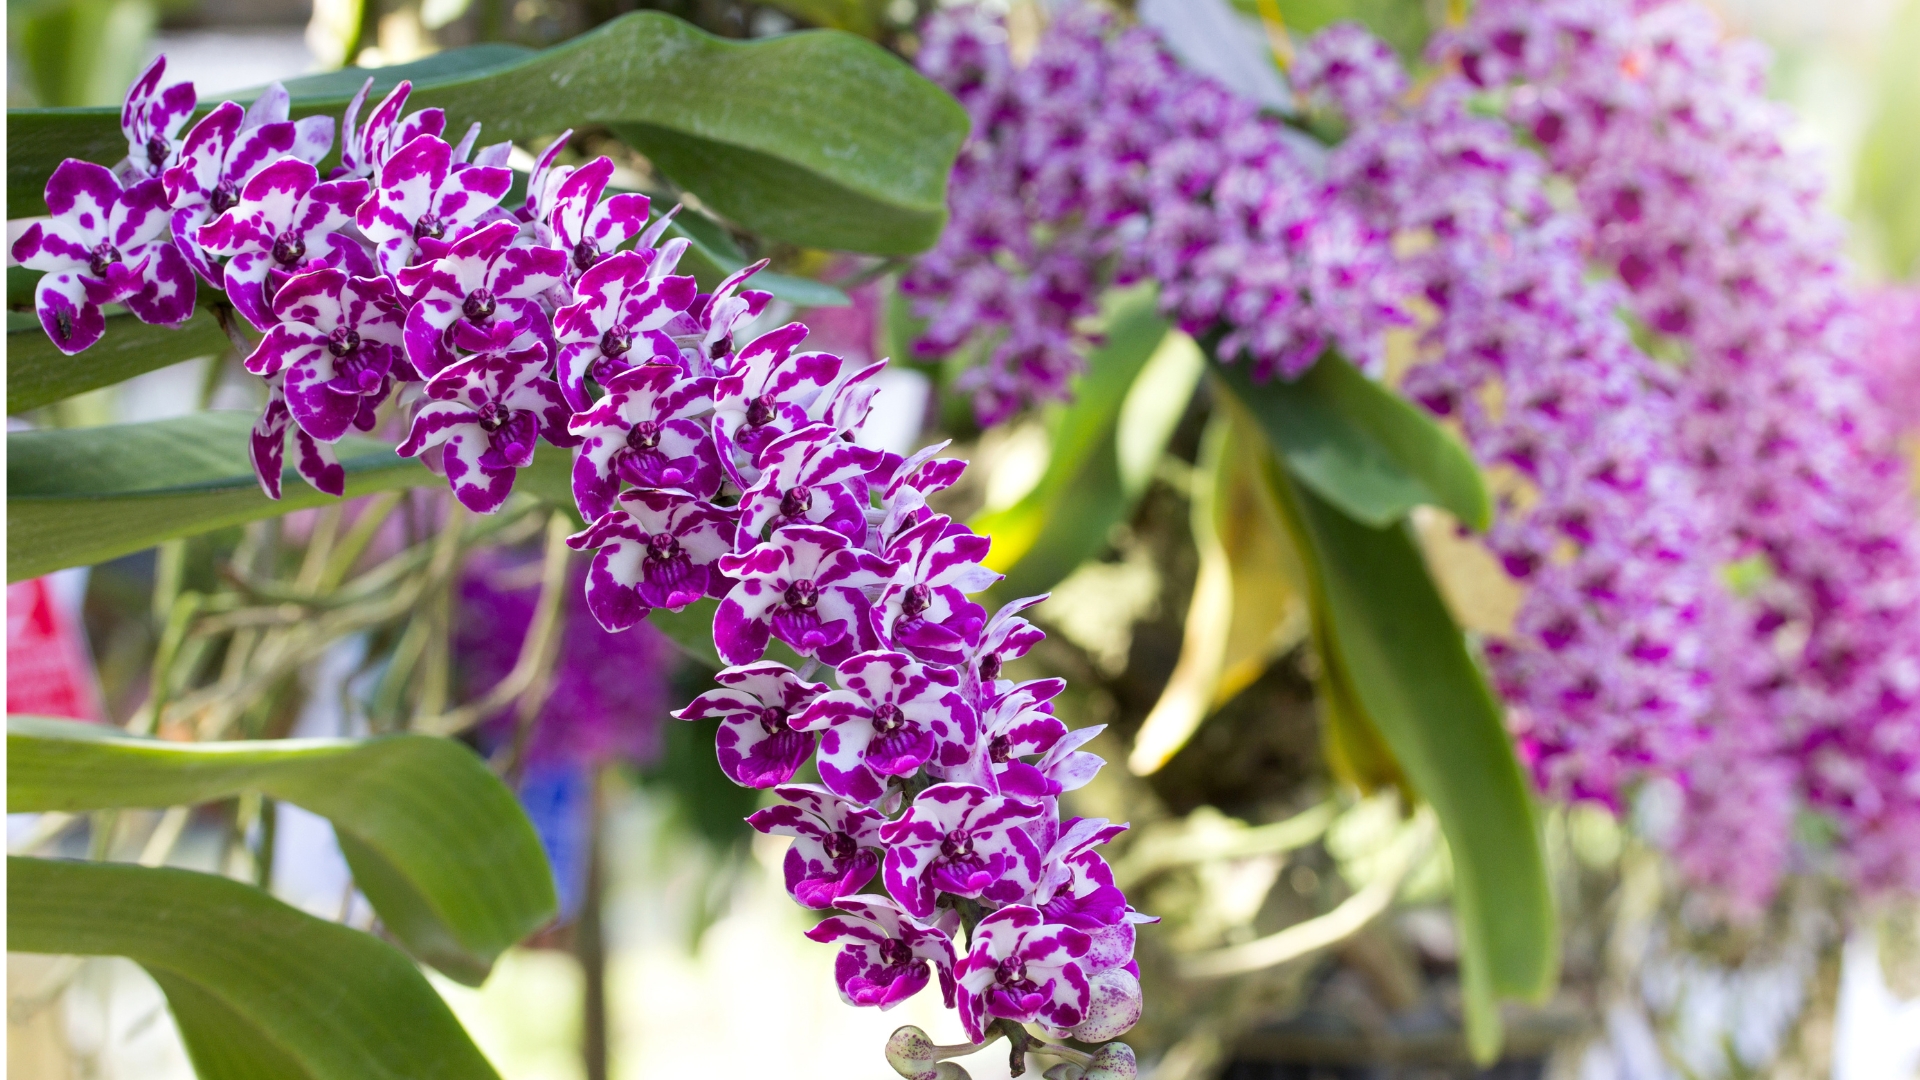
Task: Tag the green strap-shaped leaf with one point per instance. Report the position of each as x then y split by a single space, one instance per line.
1361 446
1065 519
436 842
79 496
39 374
260 990
820 139
1403 666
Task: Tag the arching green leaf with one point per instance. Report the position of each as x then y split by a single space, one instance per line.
1361 446
260 990
78 496
437 843
1401 666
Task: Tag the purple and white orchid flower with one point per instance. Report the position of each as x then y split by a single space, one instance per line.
224 151
758 744
886 955
806 586
585 226
810 477
482 420
484 279
336 341
705 332
924 608
1025 969
103 246
614 322
422 201
151 119
287 221
836 843
267 451
890 716
657 549
964 840
646 432
364 148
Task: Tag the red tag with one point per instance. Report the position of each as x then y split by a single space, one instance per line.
49 670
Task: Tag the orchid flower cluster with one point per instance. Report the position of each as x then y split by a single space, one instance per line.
1686 187
705 468
1722 581
1103 161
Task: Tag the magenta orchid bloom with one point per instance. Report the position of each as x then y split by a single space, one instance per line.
1025 969
924 608
906 483
705 332
483 419
769 392
836 846
423 200
224 151
1020 723
645 432
103 246
758 744
286 221
657 549
585 226
804 586
810 477
151 119
886 955
336 340
484 279
267 451
363 149
1076 885
614 323
891 715
964 840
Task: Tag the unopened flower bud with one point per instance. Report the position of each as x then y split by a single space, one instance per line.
1113 1006
1065 1070
949 1070
1113 1061
912 1053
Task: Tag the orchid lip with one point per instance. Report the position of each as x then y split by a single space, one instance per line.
479 306
101 257
289 249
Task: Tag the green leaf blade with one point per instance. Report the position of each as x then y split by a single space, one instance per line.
79 496
1361 446
332 1002
437 843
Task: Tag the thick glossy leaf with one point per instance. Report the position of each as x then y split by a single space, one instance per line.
1404 24
39 374
258 988
1386 636
439 846
820 139
1065 519
1360 445
84 495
